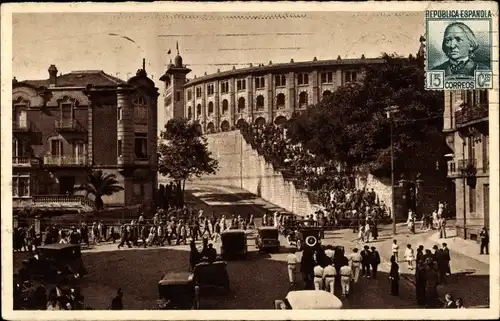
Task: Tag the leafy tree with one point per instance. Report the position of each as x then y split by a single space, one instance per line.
351 126
183 152
100 184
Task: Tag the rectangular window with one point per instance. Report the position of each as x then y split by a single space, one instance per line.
303 79
120 148
482 97
140 113
21 186
280 80
327 77
198 92
66 111
351 76
260 82
78 151
472 199
178 95
210 89
224 87
241 84
168 100
141 145
55 147
20 117
189 94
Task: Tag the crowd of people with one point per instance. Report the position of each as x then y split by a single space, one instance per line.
336 192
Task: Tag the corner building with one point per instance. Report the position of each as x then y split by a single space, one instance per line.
69 123
257 94
467 134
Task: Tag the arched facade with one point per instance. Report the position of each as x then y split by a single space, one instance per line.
241 104
326 93
268 91
280 101
224 126
210 127
260 121
225 107
280 120
240 123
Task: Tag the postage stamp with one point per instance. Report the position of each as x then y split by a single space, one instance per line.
459 49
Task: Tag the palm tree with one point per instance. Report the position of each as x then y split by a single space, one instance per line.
100 184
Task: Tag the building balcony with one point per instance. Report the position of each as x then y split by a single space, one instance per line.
25 161
21 126
470 114
54 202
50 160
68 125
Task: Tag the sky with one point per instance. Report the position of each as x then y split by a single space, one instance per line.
207 41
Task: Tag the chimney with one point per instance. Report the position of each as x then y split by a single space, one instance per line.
52 75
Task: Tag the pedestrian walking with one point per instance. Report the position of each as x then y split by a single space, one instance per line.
355 260
329 274
365 261
485 240
318 278
394 276
446 258
409 256
292 261
374 261
449 302
442 227
345 279
395 250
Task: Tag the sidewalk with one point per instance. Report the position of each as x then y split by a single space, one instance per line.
459 245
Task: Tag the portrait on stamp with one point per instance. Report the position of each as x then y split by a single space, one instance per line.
460 45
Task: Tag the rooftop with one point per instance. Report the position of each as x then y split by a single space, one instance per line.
285 66
79 78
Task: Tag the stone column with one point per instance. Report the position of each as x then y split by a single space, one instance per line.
125 126
270 97
314 83
217 105
232 101
290 84
250 103
90 119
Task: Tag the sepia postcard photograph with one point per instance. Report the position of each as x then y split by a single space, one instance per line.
251 160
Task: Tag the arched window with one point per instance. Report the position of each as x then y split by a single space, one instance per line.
241 104
190 113
280 101
225 106
303 99
210 108
259 103
260 121
211 127
140 110
198 110
326 93
280 120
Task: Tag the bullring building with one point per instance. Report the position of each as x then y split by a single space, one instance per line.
256 94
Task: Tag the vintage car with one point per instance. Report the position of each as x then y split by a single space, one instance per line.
211 275
177 291
234 244
308 300
56 261
306 236
267 239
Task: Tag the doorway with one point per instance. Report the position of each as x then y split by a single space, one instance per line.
66 185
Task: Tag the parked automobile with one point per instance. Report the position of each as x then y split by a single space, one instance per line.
211 275
234 244
267 239
308 300
56 261
177 291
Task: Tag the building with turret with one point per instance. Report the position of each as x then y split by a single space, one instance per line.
67 124
257 94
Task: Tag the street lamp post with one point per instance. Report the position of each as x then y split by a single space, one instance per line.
390 110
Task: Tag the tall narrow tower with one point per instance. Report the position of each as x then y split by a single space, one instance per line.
174 79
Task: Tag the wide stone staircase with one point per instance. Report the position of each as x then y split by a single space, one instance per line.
241 166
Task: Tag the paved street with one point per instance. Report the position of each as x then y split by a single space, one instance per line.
260 279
